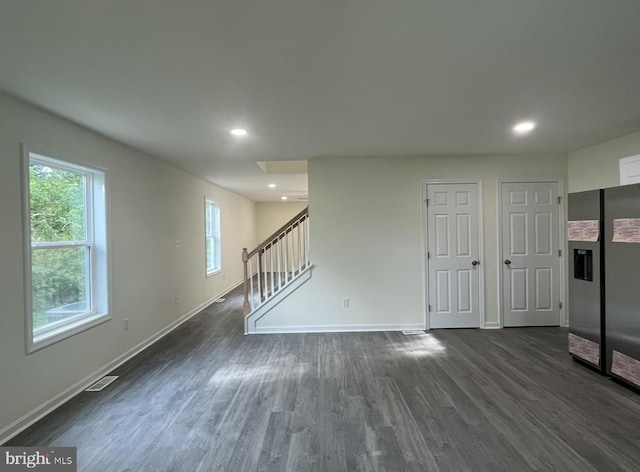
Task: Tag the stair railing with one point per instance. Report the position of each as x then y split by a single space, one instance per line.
276 262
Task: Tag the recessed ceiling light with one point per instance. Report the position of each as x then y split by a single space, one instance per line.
238 132
524 127
271 185
284 197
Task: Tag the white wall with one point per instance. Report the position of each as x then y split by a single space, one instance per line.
152 204
367 240
598 166
272 215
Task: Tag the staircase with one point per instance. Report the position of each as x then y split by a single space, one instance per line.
276 268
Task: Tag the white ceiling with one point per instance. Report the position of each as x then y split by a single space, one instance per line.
312 78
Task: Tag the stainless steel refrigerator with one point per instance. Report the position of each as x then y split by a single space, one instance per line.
587 340
622 267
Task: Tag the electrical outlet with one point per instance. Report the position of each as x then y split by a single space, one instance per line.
126 324
176 298
177 243
345 303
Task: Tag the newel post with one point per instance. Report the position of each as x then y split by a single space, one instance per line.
245 258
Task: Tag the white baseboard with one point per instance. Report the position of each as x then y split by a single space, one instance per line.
343 328
50 405
491 325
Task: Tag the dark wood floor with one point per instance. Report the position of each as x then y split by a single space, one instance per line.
207 398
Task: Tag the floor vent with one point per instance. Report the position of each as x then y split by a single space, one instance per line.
412 332
220 300
102 383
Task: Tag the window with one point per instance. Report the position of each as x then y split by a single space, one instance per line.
212 235
66 250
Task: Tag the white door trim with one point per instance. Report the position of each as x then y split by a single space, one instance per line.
561 242
425 246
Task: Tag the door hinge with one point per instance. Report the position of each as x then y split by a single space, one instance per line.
560 305
427 202
559 252
559 200
429 308
428 255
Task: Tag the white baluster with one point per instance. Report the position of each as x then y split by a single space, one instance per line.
286 257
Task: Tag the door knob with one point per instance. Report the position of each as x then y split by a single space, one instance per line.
475 263
507 261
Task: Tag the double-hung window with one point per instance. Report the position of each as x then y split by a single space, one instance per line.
212 236
66 251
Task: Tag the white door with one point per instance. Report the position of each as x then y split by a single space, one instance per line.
452 256
530 254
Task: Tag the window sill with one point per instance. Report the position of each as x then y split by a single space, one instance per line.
214 272
40 341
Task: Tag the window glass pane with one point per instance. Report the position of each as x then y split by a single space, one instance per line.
209 220
216 219
212 235
210 264
57 199
59 280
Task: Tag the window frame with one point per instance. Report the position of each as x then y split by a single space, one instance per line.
95 242
212 232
